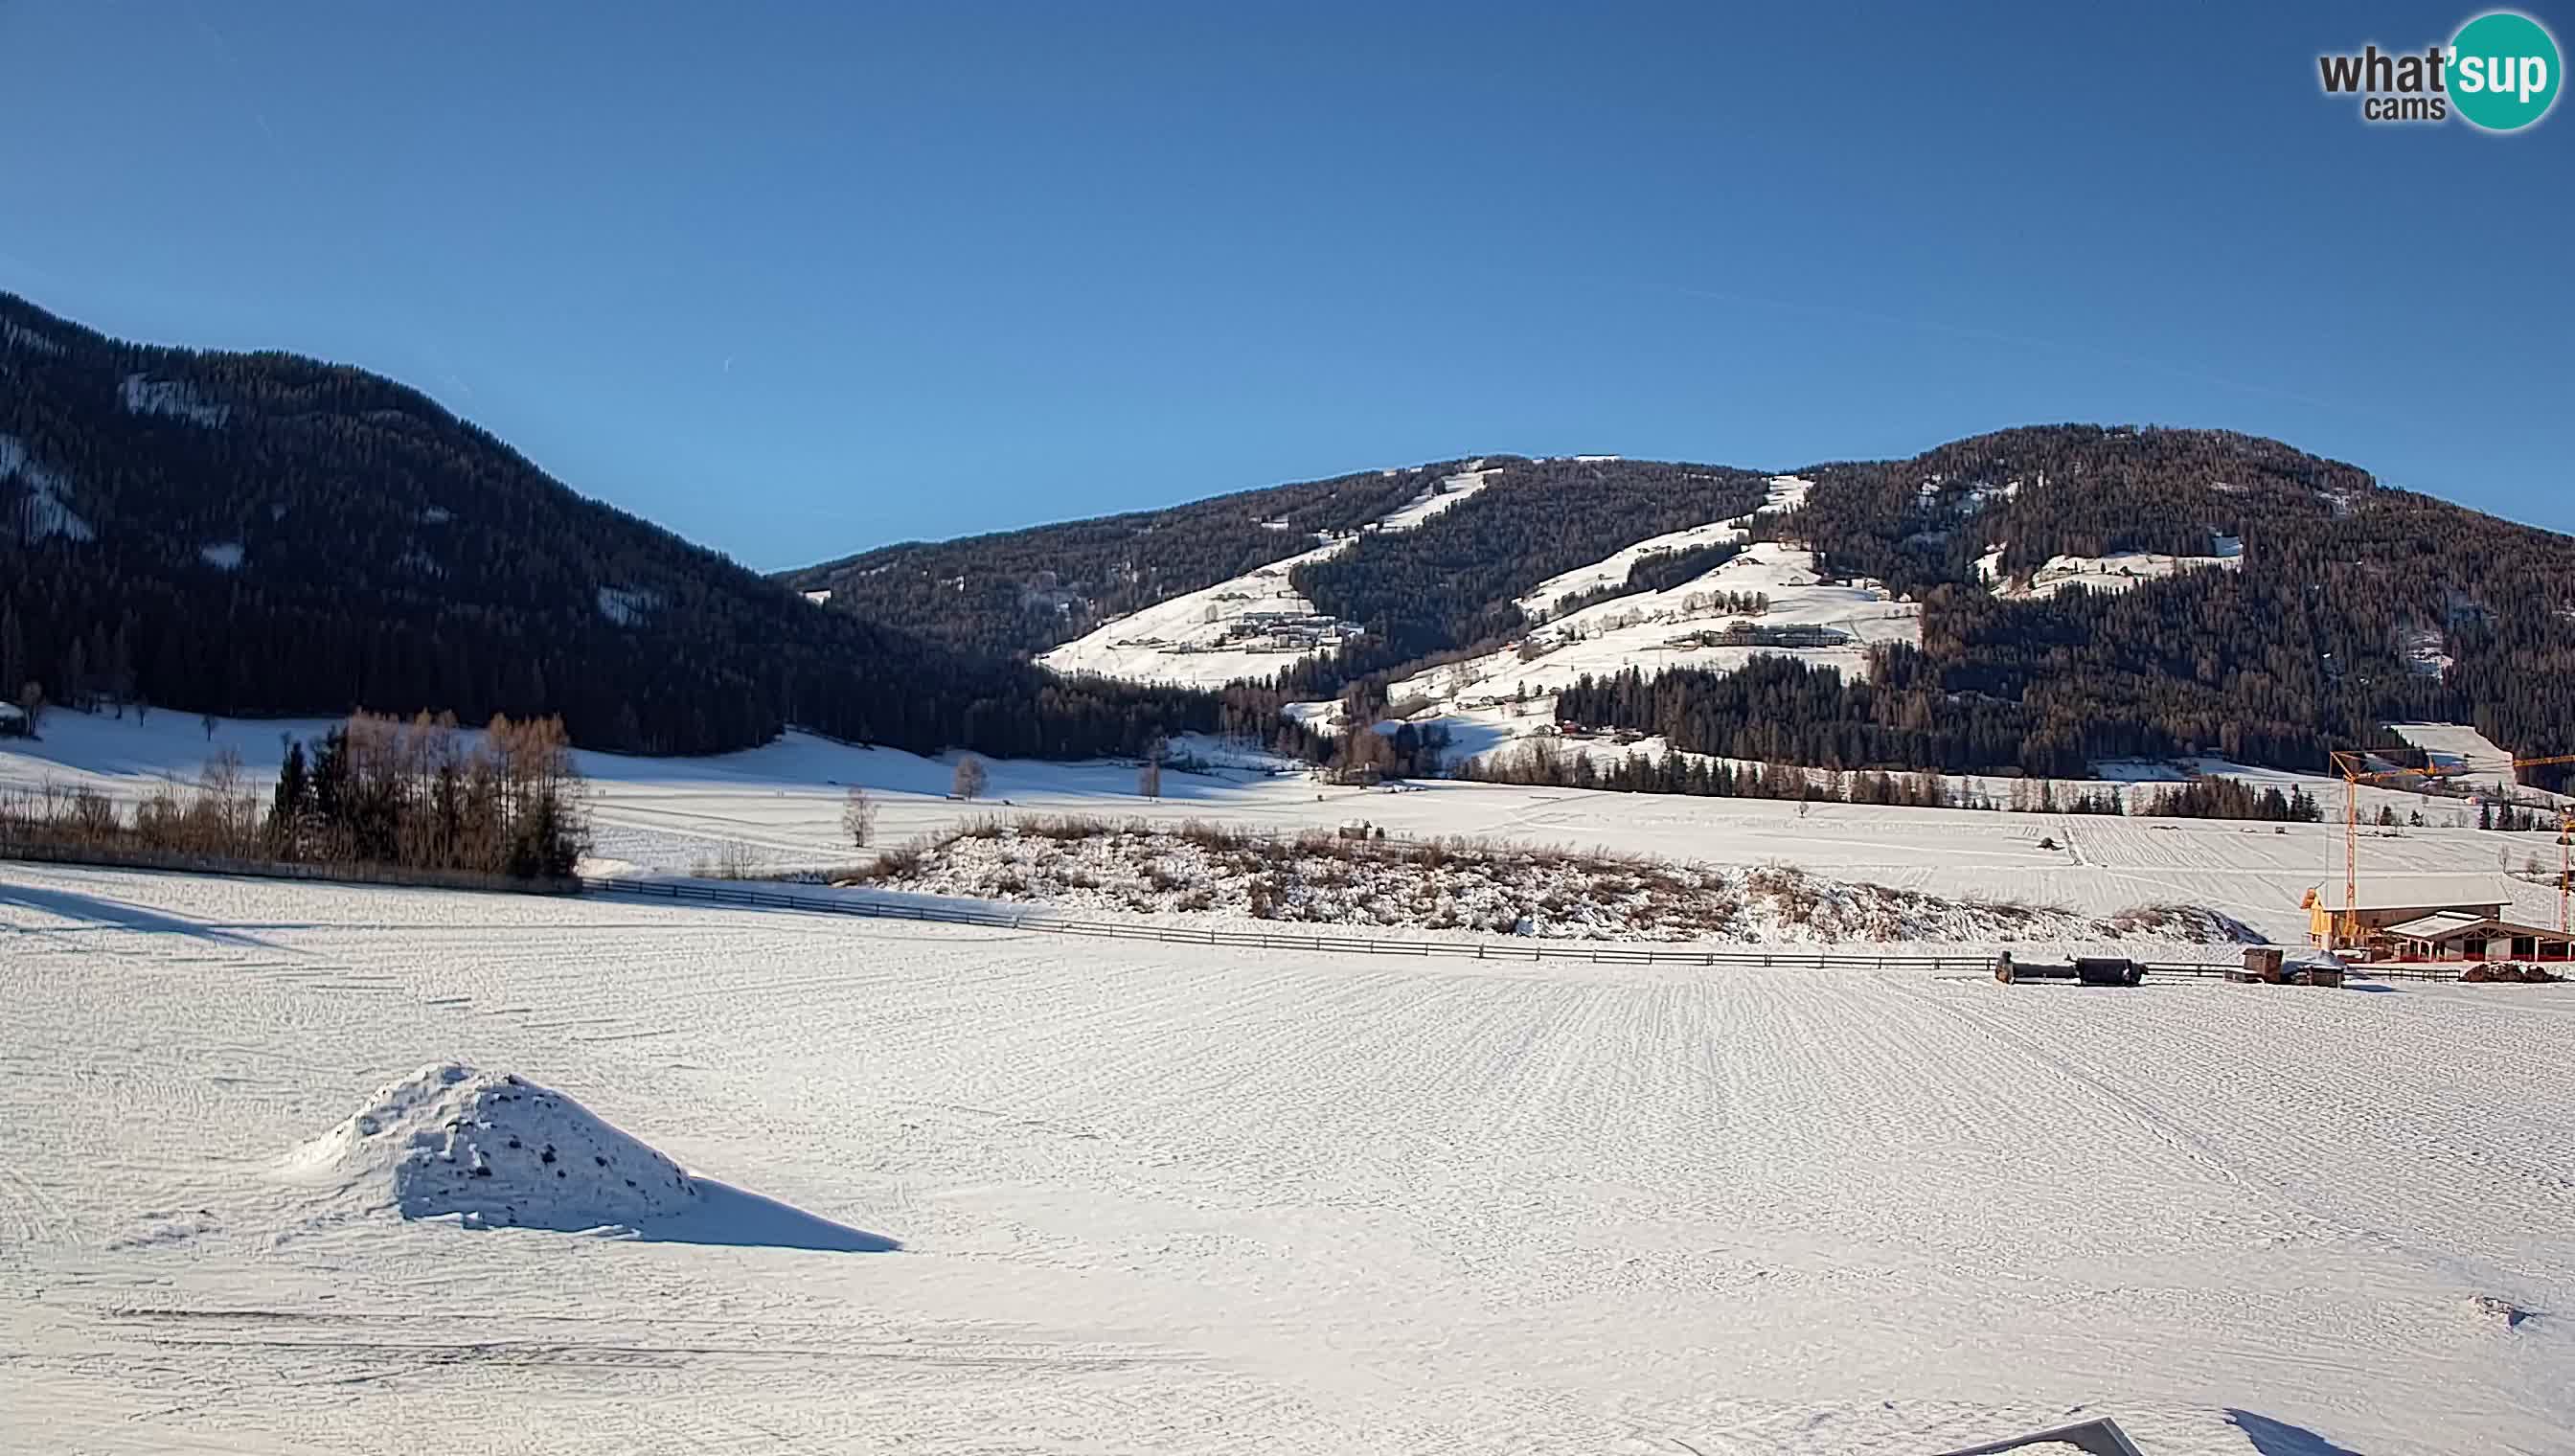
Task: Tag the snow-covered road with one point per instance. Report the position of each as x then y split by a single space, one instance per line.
1177 1198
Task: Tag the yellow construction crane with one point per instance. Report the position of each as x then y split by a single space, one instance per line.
2355 771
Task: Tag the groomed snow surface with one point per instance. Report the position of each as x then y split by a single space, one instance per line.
1172 1198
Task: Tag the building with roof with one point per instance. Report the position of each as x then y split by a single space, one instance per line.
2375 914
2466 934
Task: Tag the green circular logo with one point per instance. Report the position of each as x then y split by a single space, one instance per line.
2504 71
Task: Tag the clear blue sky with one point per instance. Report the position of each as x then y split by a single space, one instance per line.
795 280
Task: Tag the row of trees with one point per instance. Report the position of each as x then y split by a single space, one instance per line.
1555 763
374 790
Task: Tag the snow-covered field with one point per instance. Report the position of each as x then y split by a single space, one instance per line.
1188 1199
2469 757
779 807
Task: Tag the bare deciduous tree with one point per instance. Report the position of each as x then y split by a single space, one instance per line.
971 778
207 722
1149 775
858 816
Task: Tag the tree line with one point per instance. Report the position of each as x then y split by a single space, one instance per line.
375 790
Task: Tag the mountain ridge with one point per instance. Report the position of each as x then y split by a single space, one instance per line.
2121 590
262 533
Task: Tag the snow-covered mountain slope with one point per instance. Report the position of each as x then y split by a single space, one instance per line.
1788 492
2118 572
1770 600
1251 625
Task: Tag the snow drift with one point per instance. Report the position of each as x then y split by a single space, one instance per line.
493 1151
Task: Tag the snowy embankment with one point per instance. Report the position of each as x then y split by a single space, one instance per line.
1251 626
1334 879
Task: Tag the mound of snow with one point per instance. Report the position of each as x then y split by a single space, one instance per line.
495 1150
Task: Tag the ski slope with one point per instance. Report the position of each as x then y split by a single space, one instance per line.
1166 1198
1653 631
1251 626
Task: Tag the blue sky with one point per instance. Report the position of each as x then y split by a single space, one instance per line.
795 280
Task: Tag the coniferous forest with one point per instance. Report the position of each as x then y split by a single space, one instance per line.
2348 596
262 533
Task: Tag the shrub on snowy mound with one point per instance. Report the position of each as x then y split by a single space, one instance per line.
495 1150
1466 884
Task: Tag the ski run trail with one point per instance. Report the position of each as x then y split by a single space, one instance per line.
931 1188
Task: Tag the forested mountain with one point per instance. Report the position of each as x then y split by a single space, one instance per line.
2351 606
1446 585
2321 605
265 533
1025 590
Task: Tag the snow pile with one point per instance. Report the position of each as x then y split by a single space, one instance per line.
46 514
492 1151
143 396
1344 879
223 556
1251 626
